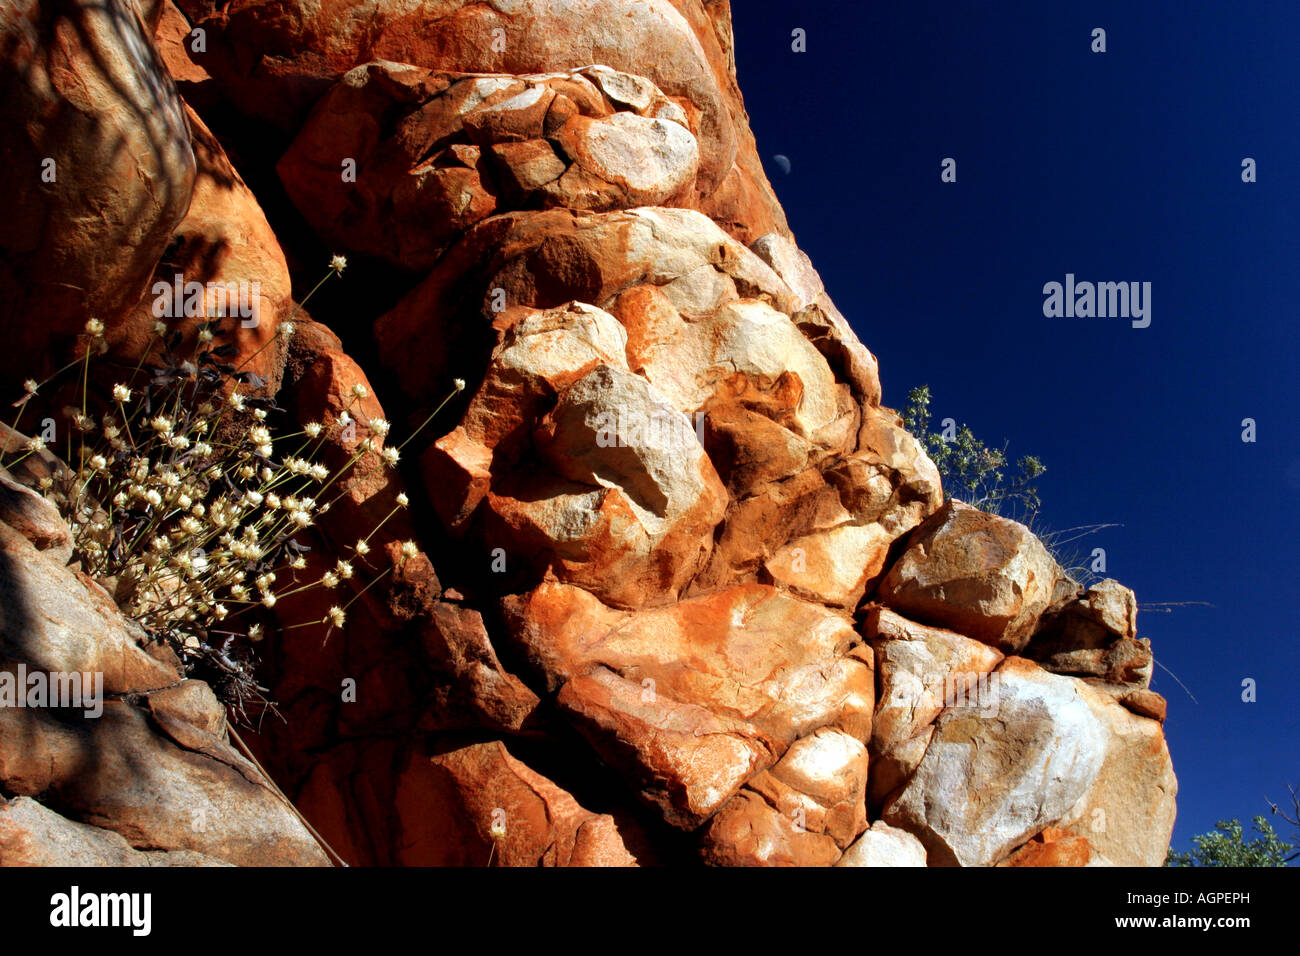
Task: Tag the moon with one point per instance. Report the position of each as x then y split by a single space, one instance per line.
782 163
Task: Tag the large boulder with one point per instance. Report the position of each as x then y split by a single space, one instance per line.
993 778
801 812
182 789
978 574
539 353
53 619
546 259
1095 635
632 501
681 757
610 487
303 49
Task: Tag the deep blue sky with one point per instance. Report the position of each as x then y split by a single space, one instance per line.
1119 166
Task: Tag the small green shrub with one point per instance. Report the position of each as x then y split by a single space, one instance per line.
971 470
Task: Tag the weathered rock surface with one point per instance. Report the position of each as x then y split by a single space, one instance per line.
801 812
923 671
432 153
1030 758
749 831
33 517
694 699
31 834
546 259
275 58
226 246
632 514
1127 813
536 823
1054 847
53 620
1096 636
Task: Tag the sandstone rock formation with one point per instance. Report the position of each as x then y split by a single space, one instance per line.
685 590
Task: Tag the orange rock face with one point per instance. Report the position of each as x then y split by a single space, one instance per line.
223 260
88 215
661 581
496 810
1052 847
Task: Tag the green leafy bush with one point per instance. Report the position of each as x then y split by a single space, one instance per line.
1226 845
971 470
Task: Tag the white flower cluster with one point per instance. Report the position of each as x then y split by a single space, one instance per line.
176 494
